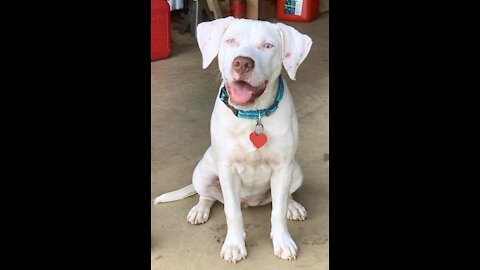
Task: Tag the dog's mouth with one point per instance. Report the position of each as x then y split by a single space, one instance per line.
241 92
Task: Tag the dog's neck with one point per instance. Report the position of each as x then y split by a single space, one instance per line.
263 101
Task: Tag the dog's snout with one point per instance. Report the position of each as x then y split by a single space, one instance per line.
243 64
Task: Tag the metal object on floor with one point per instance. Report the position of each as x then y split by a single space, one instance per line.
197 12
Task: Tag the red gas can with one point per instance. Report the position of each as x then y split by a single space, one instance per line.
297 10
160 30
239 8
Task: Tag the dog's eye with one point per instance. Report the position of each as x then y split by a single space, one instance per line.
230 41
268 45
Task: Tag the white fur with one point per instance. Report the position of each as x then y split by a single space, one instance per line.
250 176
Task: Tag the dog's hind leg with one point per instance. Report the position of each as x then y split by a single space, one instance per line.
295 210
207 185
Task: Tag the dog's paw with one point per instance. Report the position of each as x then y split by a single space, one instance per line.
198 214
296 211
284 247
233 250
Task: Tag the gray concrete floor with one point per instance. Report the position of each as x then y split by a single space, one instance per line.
182 101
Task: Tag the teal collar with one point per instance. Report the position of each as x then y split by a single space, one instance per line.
254 114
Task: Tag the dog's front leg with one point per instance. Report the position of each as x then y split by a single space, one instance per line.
233 249
283 244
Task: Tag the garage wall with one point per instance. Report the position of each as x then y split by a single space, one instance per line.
323 6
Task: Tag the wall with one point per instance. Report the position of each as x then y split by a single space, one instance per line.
323 6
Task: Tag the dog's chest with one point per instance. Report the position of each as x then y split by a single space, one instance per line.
254 174
255 182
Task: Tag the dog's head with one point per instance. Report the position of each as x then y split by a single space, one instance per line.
251 53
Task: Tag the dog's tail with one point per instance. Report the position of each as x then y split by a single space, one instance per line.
176 195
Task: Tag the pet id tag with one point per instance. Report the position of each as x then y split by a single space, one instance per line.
257 137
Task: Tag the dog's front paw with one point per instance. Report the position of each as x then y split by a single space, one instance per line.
283 246
233 250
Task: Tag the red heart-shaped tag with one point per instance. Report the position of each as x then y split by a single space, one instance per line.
258 140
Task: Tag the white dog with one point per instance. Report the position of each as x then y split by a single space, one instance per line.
254 131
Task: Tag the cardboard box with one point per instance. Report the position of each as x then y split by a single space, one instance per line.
260 9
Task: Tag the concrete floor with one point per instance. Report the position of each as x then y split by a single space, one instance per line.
182 101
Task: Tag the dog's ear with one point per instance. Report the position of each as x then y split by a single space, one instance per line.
296 47
209 35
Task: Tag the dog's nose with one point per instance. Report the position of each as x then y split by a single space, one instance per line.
242 64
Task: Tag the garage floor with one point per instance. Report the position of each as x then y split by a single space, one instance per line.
182 101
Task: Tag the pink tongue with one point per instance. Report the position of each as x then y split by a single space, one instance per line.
240 92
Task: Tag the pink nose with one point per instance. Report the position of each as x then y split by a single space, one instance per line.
243 65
